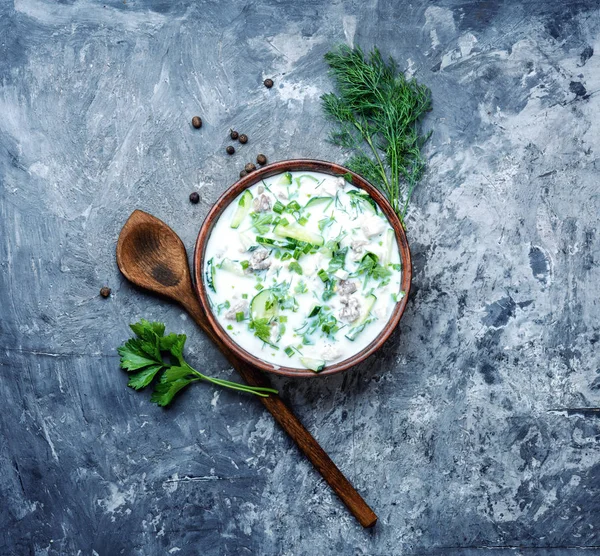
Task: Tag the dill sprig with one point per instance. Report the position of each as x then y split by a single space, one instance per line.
378 112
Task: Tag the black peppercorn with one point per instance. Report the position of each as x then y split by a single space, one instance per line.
196 122
261 159
230 149
233 134
249 167
105 291
268 83
243 138
194 197
243 173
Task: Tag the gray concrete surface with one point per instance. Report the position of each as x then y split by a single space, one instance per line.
472 432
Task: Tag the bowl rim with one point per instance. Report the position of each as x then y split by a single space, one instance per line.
293 165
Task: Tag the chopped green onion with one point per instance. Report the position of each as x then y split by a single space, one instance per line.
278 207
259 286
289 351
323 275
239 317
302 221
245 264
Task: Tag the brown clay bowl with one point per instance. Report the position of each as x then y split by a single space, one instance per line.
290 166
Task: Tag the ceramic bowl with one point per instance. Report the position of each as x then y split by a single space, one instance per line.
289 166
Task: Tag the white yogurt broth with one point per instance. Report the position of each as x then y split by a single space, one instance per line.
303 270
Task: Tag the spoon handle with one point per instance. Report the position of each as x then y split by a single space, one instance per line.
290 423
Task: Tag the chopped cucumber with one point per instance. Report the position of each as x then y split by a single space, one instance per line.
263 305
211 274
247 240
294 231
285 179
299 179
316 365
318 201
365 199
362 321
388 243
243 207
232 266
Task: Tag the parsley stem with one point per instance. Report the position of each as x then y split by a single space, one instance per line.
258 390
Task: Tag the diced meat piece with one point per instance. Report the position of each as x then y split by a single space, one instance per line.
260 189
280 192
358 245
330 352
340 183
237 308
259 260
261 204
373 225
346 287
350 310
380 311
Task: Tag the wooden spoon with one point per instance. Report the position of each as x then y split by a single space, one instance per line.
152 256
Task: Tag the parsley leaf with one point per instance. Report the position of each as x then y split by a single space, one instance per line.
142 357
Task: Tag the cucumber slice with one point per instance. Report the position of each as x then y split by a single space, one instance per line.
232 266
316 365
318 201
263 305
286 179
294 231
388 243
211 274
247 240
362 321
365 199
299 179
243 207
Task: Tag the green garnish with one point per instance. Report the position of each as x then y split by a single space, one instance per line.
261 221
378 114
369 266
262 330
278 207
295 267
289 351
142 356
323 275
302 221
239 316
301 287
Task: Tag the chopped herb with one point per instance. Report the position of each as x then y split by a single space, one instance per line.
289 351
261 221
286 256
301 287
244 296
239 316
295 267
278 207
258 286
302 221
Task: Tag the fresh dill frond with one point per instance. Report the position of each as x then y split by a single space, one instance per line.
378 112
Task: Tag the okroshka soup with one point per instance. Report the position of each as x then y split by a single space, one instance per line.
303 270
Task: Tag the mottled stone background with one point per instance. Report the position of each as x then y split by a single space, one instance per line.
474 428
